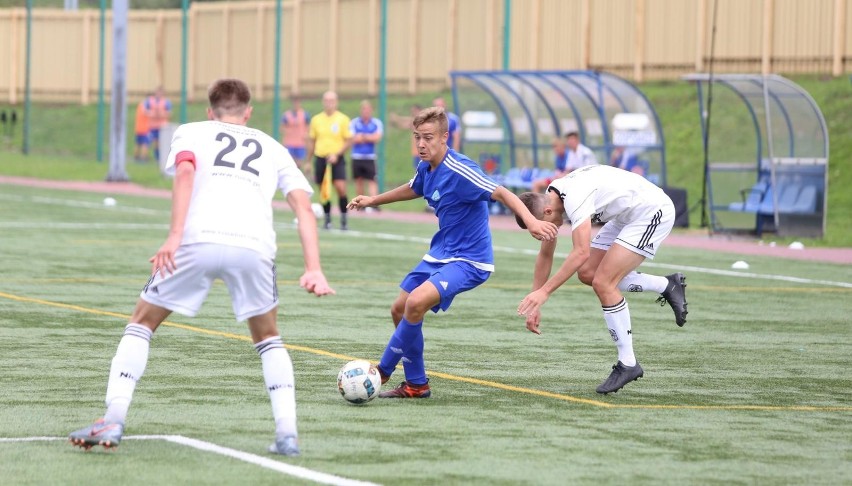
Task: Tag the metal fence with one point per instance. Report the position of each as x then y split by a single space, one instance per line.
334 44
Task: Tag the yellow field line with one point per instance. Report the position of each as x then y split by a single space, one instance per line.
447 376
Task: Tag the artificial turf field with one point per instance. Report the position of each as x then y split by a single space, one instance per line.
754 389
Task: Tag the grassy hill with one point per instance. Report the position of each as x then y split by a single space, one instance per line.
63 144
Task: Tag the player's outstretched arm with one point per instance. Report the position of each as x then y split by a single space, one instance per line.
540 230
182 186
580 236
313 280
401 193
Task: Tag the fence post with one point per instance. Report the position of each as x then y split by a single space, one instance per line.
700 35
413 46
296 47
258 66
839 37
332 47
226 38
452 26
85 57
372 46
768 24
535 31
639 42
586 34
489 36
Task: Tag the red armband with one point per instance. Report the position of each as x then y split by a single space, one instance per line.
185 156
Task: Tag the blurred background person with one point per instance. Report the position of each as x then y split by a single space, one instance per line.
366 133
330 138
294 133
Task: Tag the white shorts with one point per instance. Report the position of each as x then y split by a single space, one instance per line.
249 276
643 235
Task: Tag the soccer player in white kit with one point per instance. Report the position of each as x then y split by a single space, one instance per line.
225 177
638 216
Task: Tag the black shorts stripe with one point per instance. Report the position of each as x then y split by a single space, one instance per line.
649 231
274 283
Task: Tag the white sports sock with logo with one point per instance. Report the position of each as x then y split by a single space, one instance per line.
280 383
643 282
127 368
618 321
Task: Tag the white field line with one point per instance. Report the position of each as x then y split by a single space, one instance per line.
712 271
381 236
265 462
82 204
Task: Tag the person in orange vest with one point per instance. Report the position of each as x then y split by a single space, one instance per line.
143 129
294 133
159 111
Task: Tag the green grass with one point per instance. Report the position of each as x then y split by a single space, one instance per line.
754 389
60 151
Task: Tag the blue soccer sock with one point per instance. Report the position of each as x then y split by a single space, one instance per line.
412 357
402 339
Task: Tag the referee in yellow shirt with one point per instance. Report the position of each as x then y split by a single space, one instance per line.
329 140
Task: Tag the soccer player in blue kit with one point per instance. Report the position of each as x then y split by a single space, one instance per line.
460 256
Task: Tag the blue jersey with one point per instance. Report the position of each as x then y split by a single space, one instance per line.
453 125
365 150
459 192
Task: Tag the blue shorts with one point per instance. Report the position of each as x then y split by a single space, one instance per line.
457 276
142 139
298 153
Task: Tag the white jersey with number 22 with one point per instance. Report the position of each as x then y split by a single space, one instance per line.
238 170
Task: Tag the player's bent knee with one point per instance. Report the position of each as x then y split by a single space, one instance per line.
586 276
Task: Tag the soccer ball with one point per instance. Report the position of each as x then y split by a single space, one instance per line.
317 209
359 381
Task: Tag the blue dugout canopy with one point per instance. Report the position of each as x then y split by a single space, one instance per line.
766 167
511 118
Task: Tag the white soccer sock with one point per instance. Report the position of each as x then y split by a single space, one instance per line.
617 319
127 368
643 282
280 383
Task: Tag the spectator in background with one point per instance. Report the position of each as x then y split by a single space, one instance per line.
159 112
627 159
454 140
578 154
366 133
560 154
294 133
143 132
329 140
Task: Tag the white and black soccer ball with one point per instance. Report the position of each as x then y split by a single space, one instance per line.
359 381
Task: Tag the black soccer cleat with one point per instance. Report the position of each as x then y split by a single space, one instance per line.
620 376
675 296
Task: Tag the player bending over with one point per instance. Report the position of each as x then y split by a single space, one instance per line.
638 217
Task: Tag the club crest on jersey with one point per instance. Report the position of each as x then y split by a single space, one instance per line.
436 196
